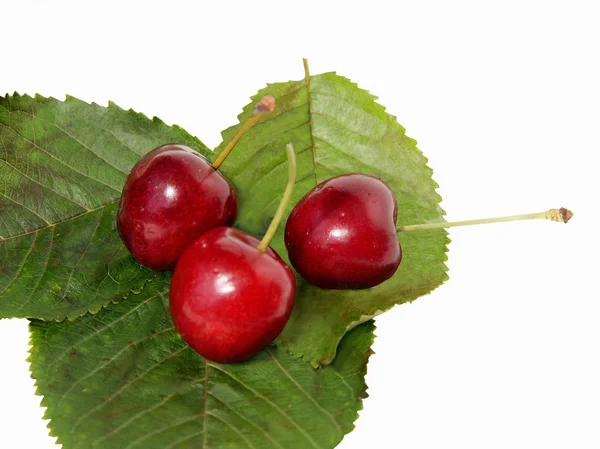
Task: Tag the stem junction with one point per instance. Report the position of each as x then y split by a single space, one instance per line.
266 104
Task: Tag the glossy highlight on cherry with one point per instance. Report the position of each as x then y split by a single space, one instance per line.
342 234
229 300
173 195
231 294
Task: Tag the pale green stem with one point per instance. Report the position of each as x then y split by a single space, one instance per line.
561 215
285 201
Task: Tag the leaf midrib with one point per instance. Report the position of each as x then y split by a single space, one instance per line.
310 120
53 225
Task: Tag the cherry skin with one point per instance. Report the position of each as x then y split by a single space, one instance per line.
170 198
342 234
229 300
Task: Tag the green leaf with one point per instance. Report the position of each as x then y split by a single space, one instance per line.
337 128
123 378
62 166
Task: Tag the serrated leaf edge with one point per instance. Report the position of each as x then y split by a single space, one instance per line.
111 105
362 318
358 404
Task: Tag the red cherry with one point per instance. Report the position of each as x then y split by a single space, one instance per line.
342 234
171 197
228 299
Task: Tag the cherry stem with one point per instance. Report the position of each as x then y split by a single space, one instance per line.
266 104
285 201
560 215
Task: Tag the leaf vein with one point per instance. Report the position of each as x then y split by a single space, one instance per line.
24 207
136 417
310 117
109 361
343 379
21 267
99 331
127 385
272 404
262 147
183 440
304 392
39 281
57 159
51 225
164 429
246 440
66 133
344 126
266 434
100 215
127 147
343 100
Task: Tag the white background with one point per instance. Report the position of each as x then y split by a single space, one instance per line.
504 100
